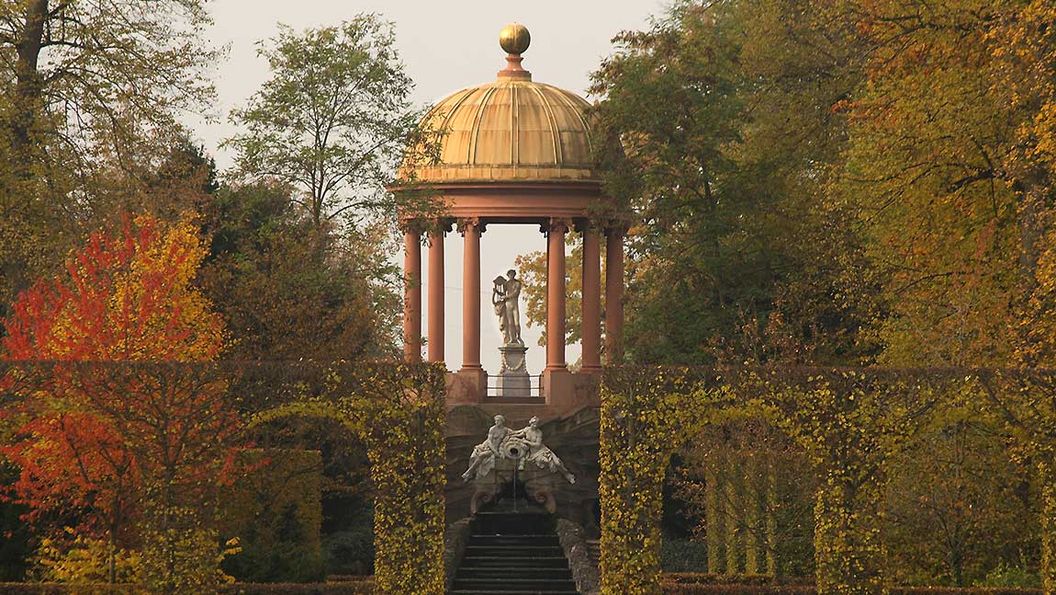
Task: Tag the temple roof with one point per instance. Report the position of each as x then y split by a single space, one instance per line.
511 130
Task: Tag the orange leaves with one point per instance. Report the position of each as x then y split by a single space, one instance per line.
125 297
71 455
96 437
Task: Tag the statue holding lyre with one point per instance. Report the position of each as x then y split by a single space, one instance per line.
506 297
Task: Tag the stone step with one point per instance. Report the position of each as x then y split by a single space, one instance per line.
513 523
488 540
540 585
492 592
502 572
513 550
515 561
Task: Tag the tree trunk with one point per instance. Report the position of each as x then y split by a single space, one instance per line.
111 570
28 87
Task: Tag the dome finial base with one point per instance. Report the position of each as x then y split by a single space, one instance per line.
513 68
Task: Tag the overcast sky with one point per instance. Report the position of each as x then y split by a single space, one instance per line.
445 46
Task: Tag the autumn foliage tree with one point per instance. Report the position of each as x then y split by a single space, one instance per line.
126 429
853 183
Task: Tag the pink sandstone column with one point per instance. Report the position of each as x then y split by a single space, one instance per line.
591 300
614 295
555 295
412 293
436 296
470 229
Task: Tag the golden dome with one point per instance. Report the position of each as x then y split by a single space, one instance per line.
511 130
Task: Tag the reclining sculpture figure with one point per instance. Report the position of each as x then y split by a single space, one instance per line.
524 446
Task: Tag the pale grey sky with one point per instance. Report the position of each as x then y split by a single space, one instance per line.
445 46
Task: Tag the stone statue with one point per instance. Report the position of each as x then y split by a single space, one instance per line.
482 461
524 446
513 308
498 299
538 453
506 297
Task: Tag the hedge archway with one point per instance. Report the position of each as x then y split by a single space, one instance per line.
849 422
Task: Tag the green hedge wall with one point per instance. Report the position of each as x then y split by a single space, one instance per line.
363 587
675 588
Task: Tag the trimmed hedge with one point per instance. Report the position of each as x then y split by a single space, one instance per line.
366 586
65 589
673 588
968 591
350 587
711 578
676 588
362 587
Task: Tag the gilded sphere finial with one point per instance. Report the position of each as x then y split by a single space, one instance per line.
514 38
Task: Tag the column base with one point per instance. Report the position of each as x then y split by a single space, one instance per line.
567 391
467 386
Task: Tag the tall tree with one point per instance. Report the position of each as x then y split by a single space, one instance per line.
287 298
928 172
333 121
725 111
88 86
94 69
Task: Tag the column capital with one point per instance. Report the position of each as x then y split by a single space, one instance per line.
558 224
585 226
463 224
439 225
615 226
415 226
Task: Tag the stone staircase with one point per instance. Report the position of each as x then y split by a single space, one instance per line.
513 553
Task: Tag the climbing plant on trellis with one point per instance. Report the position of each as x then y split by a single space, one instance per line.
398 410
850 423
1025 403
642 418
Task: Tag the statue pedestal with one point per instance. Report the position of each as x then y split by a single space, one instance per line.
513 377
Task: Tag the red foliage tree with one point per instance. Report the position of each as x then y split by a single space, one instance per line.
119 410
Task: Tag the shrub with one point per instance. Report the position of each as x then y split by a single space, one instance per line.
683 555
363 587
1006 575
182 561
84 560
350 552
275 511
